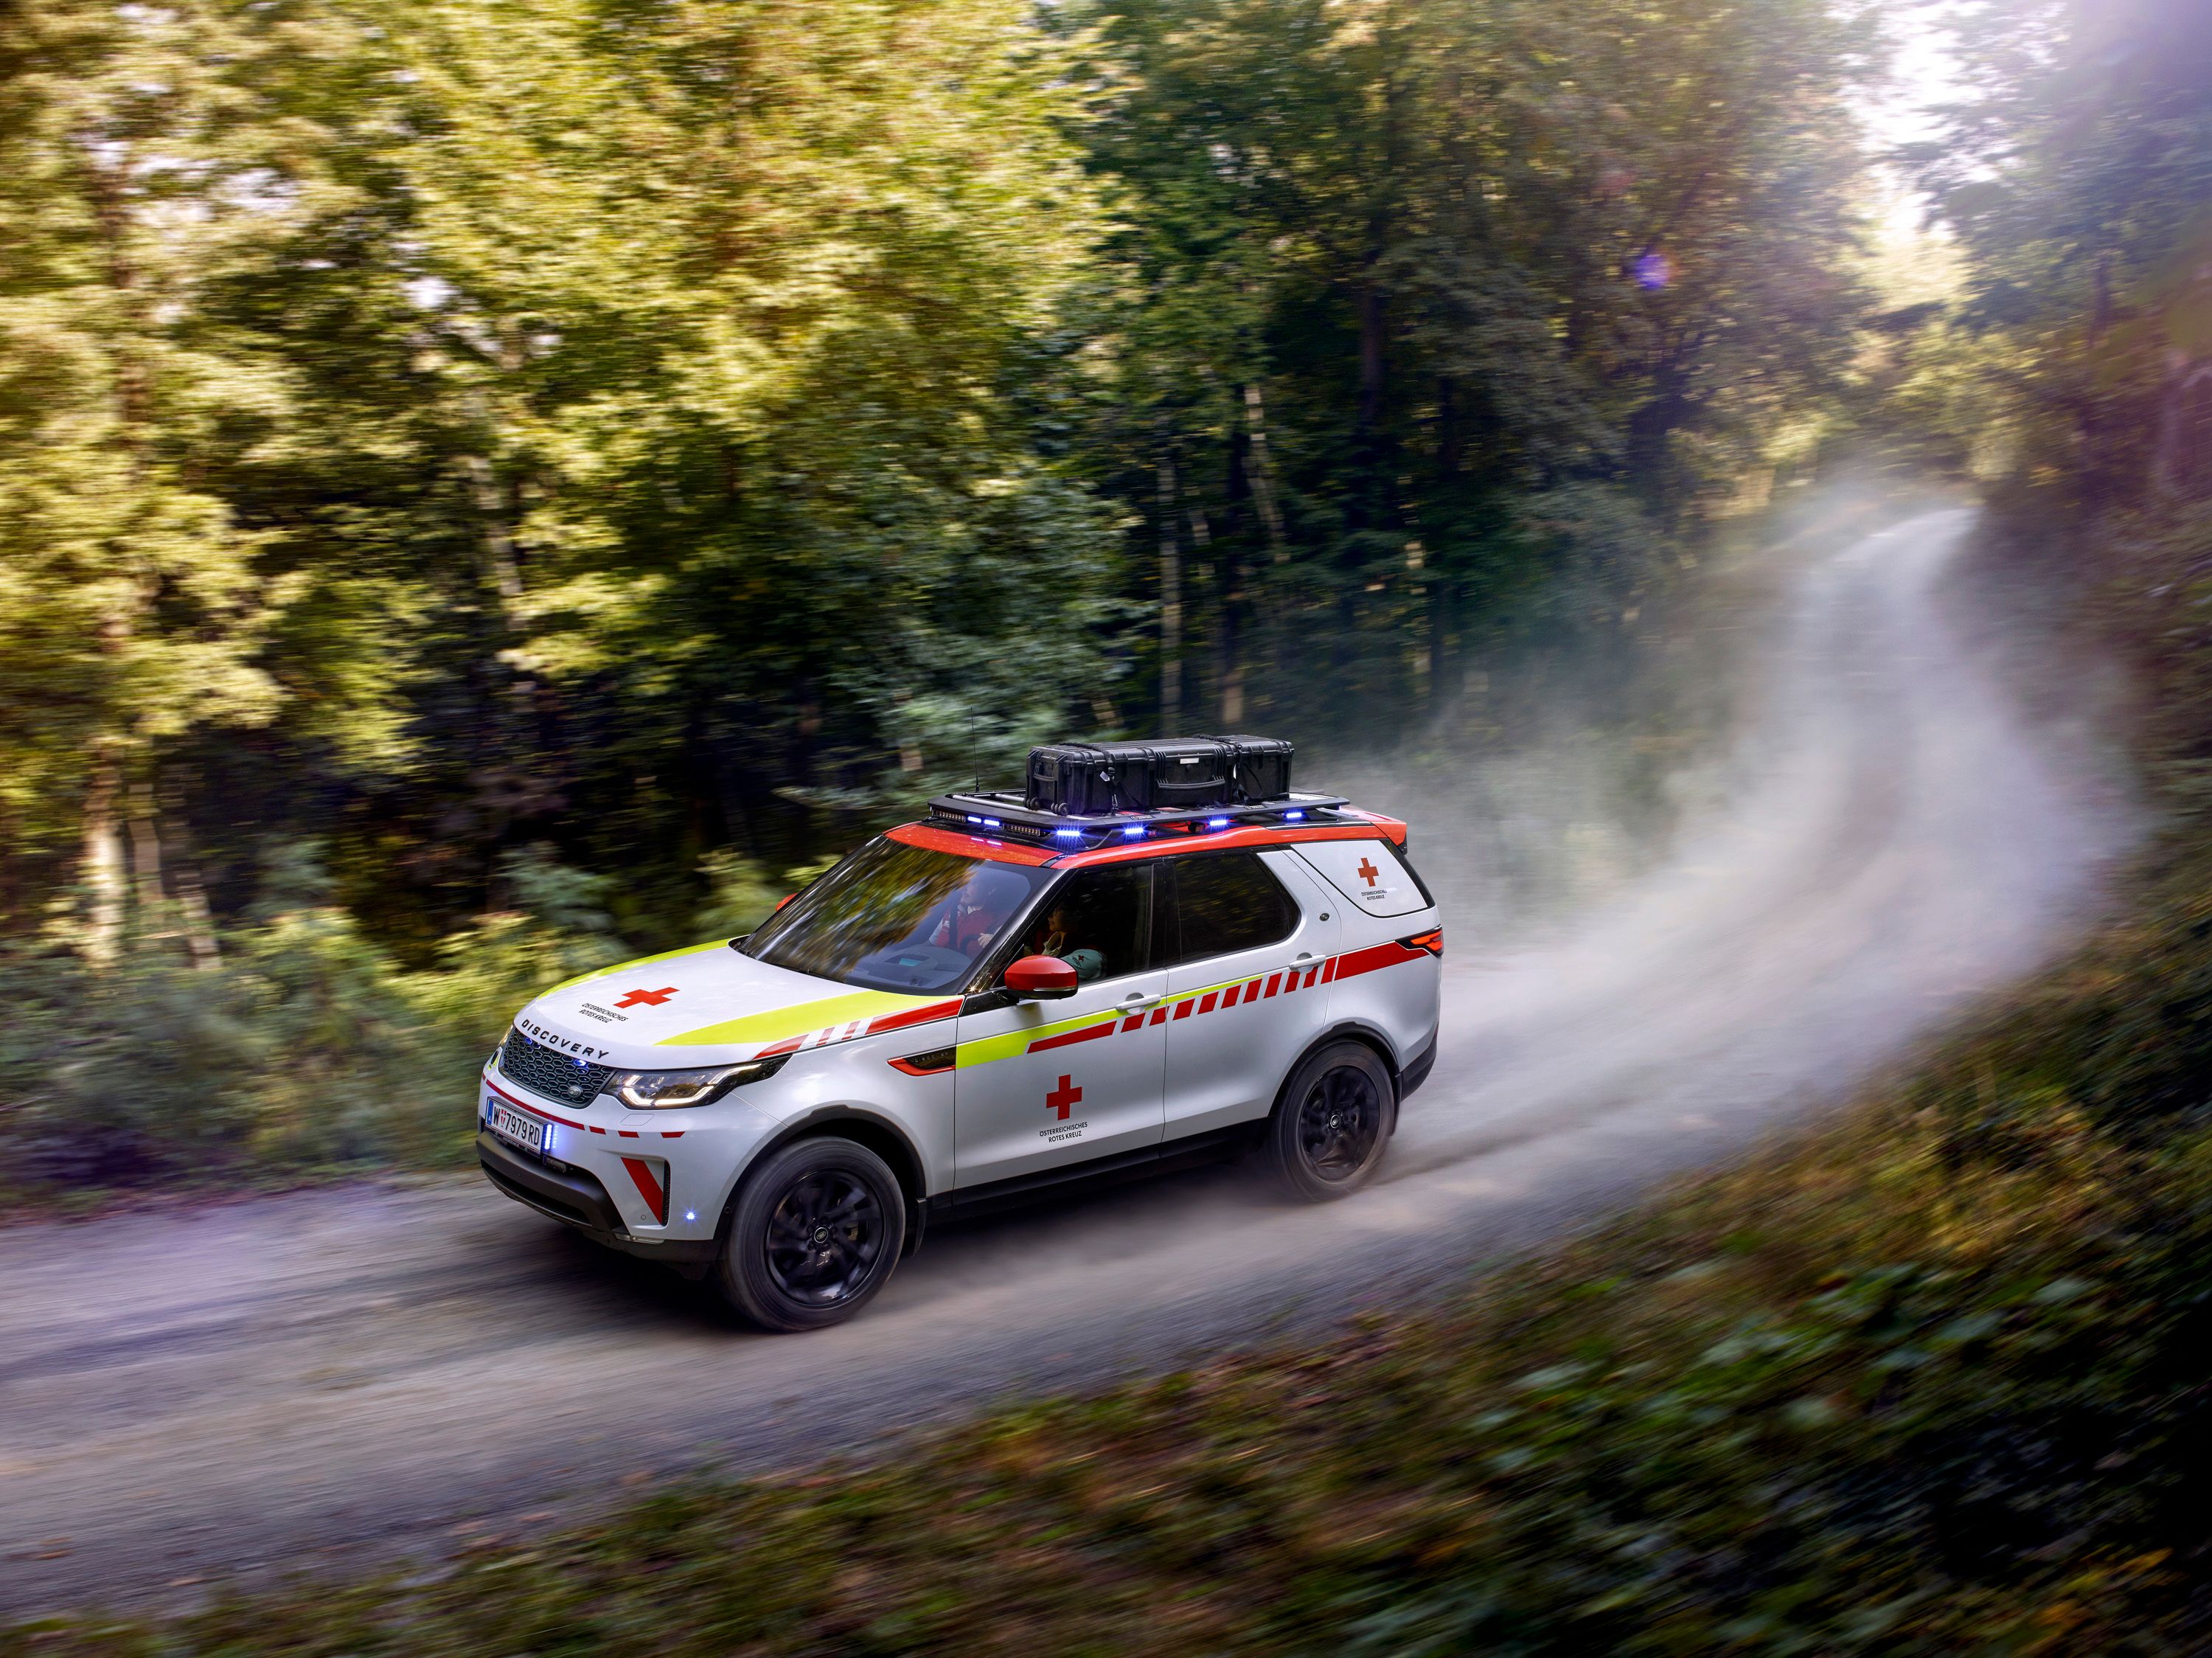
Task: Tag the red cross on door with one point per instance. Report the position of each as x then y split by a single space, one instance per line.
651 998
1063 1097
1368 872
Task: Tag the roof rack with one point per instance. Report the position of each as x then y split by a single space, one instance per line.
1008 816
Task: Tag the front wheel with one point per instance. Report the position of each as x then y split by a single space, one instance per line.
1327 1135
815 1233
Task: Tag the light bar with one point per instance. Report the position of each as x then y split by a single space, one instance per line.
1217 823
1067 834
1134 832
1292 817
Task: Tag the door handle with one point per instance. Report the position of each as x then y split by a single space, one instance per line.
1304 955
1135 998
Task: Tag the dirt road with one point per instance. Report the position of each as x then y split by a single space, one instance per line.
337 1375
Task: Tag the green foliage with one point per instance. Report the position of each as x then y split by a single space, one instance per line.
434 430
305 1050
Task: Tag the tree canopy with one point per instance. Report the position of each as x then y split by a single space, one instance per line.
430 430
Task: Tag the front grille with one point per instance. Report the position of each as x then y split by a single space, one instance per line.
551 1072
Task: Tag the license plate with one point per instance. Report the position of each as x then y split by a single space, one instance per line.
518 1127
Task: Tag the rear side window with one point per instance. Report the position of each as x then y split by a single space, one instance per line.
1229 901
1098 921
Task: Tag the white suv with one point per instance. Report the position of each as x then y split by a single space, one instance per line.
956 1016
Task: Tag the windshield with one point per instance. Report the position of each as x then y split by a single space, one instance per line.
897 917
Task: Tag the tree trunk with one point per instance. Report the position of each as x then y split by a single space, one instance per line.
1263 471
1371 358
1268 605
1170 604
146 852
102 864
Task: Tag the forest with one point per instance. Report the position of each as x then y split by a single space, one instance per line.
484 488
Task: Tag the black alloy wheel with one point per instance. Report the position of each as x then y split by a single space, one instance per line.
824 1237
815 1231
1331 1122
1340 1122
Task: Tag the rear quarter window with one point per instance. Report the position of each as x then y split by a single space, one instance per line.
1229 901
1370 873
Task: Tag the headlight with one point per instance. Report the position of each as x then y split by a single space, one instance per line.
665 1090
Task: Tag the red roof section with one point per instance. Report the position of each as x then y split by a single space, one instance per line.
1372 825
970 846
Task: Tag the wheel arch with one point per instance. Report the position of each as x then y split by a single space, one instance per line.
878 1133
1356 1030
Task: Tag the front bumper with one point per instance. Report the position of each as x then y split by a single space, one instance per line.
576 1198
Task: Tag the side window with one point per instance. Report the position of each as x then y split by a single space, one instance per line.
1228 901
1098 921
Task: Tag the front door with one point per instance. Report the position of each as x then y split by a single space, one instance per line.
1042 1084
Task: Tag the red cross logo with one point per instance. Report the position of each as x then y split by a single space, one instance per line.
1063 1097
1368 871
651 998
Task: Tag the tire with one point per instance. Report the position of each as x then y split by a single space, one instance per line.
814 1234
1329 1129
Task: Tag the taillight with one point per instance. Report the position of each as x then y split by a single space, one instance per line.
1433 941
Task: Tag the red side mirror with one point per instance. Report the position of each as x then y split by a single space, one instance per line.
1043 977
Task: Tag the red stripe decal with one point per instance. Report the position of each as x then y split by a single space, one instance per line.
1182 1010
1134 1021
1228 997
930 1015
627 1133
673 1133
1311 973
1160 1013
537 1111
1328 969
789 1045
641 1173
1275 982
1375 956
1089 1032
1207 1002
595 1128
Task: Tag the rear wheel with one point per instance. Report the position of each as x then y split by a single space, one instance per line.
814 1234
1327 1134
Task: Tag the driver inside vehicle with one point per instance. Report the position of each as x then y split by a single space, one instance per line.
973 916
1055 936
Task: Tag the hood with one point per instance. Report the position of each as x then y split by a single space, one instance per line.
707 1005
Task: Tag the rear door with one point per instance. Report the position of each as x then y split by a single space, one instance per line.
1250 936
1042 1084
